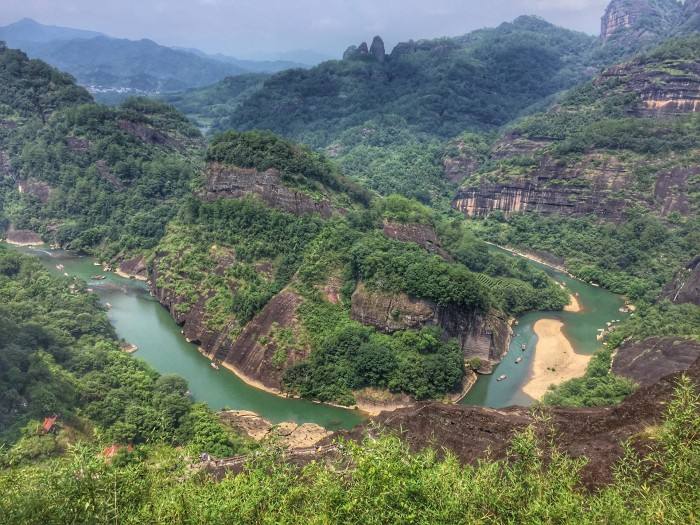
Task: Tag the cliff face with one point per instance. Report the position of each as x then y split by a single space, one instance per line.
523 172
685 287
422 234
256 351
231 182
658 91
591 185
644 18
483 336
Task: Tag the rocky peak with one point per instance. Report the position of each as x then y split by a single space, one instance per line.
644 17
377 49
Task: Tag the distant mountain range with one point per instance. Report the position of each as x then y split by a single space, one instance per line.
113 68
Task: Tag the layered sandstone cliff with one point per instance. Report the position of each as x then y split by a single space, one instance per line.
482 336
224 181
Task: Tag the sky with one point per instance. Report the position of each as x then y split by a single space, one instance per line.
263 28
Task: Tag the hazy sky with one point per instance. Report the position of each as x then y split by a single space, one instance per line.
258 28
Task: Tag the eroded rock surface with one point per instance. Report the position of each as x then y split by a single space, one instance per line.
646 362
685 287
287 434
231 182
473 432
483 336
422 234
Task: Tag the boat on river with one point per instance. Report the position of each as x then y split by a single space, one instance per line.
98 277
214 365
518 360
523 347
502 378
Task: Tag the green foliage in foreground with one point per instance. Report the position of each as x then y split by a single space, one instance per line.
377 482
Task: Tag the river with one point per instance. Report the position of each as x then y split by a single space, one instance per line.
598 306
140 319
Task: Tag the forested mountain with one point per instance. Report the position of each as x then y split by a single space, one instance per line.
441 87
298 267
622 148
114 68
276 223
89 174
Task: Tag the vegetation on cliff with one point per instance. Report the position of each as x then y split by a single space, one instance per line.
59 356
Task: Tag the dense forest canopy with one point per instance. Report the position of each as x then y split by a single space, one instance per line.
59 356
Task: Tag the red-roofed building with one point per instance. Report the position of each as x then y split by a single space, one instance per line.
49 424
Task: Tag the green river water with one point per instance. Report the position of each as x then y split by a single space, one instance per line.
598 307
139 319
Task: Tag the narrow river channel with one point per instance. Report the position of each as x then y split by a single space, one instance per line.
139 319
598 306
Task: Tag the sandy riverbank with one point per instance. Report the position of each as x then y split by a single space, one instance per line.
555 360
574 304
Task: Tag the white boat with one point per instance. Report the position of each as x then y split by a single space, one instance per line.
523 347
214 365
502 378
518 360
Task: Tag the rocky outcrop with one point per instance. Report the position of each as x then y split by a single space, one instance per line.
422 234
685 287
472 433
23 237
644 18
146 133
36 188
659 92
253 352
230 182
483 336
377 49
646 362
286 434
136 268
592 185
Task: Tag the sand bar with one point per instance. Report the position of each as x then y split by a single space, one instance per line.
574 304
555 360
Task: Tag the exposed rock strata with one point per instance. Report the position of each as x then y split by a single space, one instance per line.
483 336
644 18
423 235
287 434
231 182
249 351
658 92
